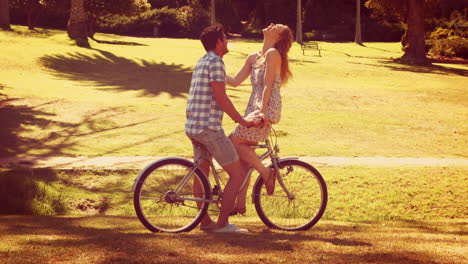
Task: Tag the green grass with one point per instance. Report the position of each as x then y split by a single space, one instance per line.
355 193
105 239
129 98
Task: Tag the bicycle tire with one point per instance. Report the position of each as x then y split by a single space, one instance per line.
156 206
277 211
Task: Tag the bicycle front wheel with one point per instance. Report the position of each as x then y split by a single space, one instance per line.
166 200
300 211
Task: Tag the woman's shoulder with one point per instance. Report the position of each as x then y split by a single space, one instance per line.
272 54
252 57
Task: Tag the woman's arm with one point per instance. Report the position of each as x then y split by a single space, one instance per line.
243 73
273 67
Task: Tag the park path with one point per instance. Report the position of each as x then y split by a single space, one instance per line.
139 162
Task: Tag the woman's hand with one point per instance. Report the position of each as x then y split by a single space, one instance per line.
265 122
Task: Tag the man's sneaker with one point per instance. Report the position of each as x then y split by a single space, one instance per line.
230 228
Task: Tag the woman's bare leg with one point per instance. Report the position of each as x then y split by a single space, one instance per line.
247 154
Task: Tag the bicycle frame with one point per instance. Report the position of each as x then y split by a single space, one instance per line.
272 152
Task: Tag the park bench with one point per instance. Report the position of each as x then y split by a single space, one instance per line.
310 46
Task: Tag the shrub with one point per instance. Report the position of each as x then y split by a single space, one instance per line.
451 47
312 35
22 194
186 21
442 33
193 20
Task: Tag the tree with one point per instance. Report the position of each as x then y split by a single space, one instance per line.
32 8
77 27
212 13
415 50
4 15
299 22
411 12
358 37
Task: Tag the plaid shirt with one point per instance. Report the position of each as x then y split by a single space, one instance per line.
203 112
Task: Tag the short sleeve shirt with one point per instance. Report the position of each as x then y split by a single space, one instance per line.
203 112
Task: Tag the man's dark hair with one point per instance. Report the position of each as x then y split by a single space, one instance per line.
210 36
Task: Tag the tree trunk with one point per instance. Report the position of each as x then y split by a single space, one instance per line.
213 12
77 27
299 23
357 36
415 50
4 15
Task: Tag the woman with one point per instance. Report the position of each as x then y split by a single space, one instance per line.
268 70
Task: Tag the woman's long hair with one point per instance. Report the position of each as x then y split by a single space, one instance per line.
283 45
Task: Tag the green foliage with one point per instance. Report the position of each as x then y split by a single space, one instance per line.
451 47
127 7
171 22
312 35
450 38
20 193
193 19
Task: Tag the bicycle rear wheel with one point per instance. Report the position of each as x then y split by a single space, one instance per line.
159 207
292 214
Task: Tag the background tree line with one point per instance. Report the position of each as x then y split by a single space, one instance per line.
443 22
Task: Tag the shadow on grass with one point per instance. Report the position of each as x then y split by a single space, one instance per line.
22 193
47 191
59 137
17 119
110 72
395 65
398 65
118 42
123 240
36 33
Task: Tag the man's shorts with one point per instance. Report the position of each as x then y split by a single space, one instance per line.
214 143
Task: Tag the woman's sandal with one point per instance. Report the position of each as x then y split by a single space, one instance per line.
270 183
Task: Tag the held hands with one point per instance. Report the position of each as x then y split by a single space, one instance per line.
256 119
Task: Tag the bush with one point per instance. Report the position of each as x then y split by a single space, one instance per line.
193 20
450 47
22 194
312 35
444 33
185 22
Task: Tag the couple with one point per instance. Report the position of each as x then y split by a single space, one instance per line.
208 101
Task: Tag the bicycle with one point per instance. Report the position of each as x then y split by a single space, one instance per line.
165 200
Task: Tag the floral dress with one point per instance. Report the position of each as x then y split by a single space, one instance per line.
273 113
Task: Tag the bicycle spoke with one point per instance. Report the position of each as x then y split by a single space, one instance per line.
160 208
304 210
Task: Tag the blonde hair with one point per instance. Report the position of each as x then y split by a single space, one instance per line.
283 45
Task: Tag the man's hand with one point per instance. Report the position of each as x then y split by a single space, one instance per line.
256 118
246 122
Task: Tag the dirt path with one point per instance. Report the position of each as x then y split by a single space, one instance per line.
139 162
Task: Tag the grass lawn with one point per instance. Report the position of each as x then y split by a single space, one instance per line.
374 215
106 239
355 193
129 98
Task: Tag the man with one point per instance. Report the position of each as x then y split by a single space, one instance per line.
207 102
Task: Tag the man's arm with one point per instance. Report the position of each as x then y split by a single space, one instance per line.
219 91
